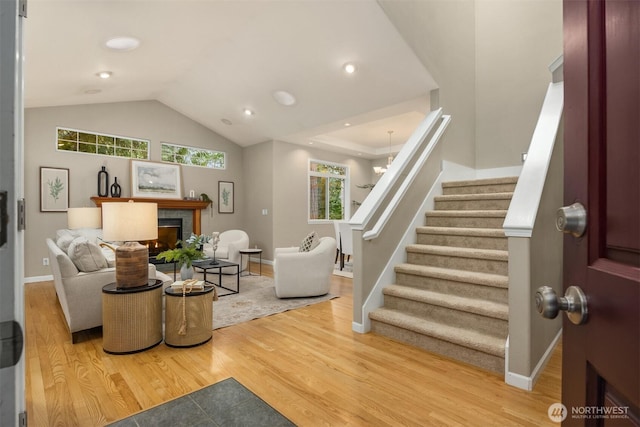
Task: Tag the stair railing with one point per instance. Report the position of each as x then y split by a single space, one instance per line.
381 222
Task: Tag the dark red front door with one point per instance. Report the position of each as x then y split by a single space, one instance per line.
601 359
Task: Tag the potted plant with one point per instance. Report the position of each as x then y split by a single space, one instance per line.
184 254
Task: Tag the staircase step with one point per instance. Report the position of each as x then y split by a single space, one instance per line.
472 347
490 287
466 219
479 238
491 185
481 316
478 260
486 201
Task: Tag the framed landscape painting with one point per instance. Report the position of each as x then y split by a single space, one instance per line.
54 189
156 180
225 197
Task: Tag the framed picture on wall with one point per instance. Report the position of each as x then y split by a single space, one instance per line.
54 189
156 180
225 197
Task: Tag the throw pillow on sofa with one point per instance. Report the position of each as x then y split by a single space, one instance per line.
309 242
86 255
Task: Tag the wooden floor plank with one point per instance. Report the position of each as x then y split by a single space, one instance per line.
307 363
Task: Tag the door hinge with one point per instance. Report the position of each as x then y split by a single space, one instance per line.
22 419
22 222
22 8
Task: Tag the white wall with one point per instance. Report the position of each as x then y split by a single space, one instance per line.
144 119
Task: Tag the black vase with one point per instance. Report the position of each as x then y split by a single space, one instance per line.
103 183
116 190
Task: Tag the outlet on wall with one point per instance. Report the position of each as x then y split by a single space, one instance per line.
45 261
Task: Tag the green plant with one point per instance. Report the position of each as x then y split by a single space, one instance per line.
183 254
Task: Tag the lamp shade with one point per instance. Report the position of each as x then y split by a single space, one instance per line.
129 221
83 218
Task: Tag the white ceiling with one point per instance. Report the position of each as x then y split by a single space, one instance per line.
210 59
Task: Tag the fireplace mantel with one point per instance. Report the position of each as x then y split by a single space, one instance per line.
193 205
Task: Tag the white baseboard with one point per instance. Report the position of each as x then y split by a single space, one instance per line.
358 327
526 383
35 279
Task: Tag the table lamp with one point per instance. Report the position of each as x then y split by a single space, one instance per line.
83 218
130 222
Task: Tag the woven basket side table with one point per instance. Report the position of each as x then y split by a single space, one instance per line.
198 312
131 318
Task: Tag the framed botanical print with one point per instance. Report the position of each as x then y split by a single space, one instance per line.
54 189
225 197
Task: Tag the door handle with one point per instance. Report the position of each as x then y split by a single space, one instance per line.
574 303
572 219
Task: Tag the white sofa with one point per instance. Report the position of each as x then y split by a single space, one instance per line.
229 246
80 293
304 274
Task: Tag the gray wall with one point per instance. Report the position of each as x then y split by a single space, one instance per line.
490 59
145 119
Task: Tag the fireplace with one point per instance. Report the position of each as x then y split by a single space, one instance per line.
169 232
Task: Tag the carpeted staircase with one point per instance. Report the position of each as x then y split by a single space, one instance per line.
451 297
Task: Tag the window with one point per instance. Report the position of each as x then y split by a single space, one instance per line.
102 144
193 156
328 191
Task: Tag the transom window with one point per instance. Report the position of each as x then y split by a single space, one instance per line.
192 156
328 191
103 144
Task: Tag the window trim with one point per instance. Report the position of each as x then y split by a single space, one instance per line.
347 191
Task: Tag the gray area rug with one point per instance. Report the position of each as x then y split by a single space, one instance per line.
257 298
226 403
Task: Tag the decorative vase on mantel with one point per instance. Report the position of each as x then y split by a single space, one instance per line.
116 190
103 182
186 273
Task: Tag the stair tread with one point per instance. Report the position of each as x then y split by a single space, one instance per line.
462 231
471 305
474 196
466 338
486 279
490 254
480 182
485 213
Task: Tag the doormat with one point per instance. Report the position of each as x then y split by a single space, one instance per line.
226 403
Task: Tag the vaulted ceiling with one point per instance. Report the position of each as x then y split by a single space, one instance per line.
211 59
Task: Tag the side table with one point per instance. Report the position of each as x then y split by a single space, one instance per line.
198 311
249 252
131 317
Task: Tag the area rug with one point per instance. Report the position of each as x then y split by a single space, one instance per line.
257 298
226 403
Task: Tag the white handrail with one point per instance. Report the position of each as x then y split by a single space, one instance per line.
526 196
386 182
393 204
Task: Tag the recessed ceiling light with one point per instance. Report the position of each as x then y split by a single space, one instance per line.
122 44
248 112
226 122
349 68
347 124
104 74
285 98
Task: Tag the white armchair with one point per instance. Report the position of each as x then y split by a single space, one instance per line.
304 274
229 246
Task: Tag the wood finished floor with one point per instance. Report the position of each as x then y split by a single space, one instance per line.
307 363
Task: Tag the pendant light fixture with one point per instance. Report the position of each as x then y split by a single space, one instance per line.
379 170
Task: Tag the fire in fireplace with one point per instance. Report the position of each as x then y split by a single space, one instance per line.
169 232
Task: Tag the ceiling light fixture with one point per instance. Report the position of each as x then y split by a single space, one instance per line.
347 124
248 112
104 74
226 122
349 68
122 44
284 98
379 170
